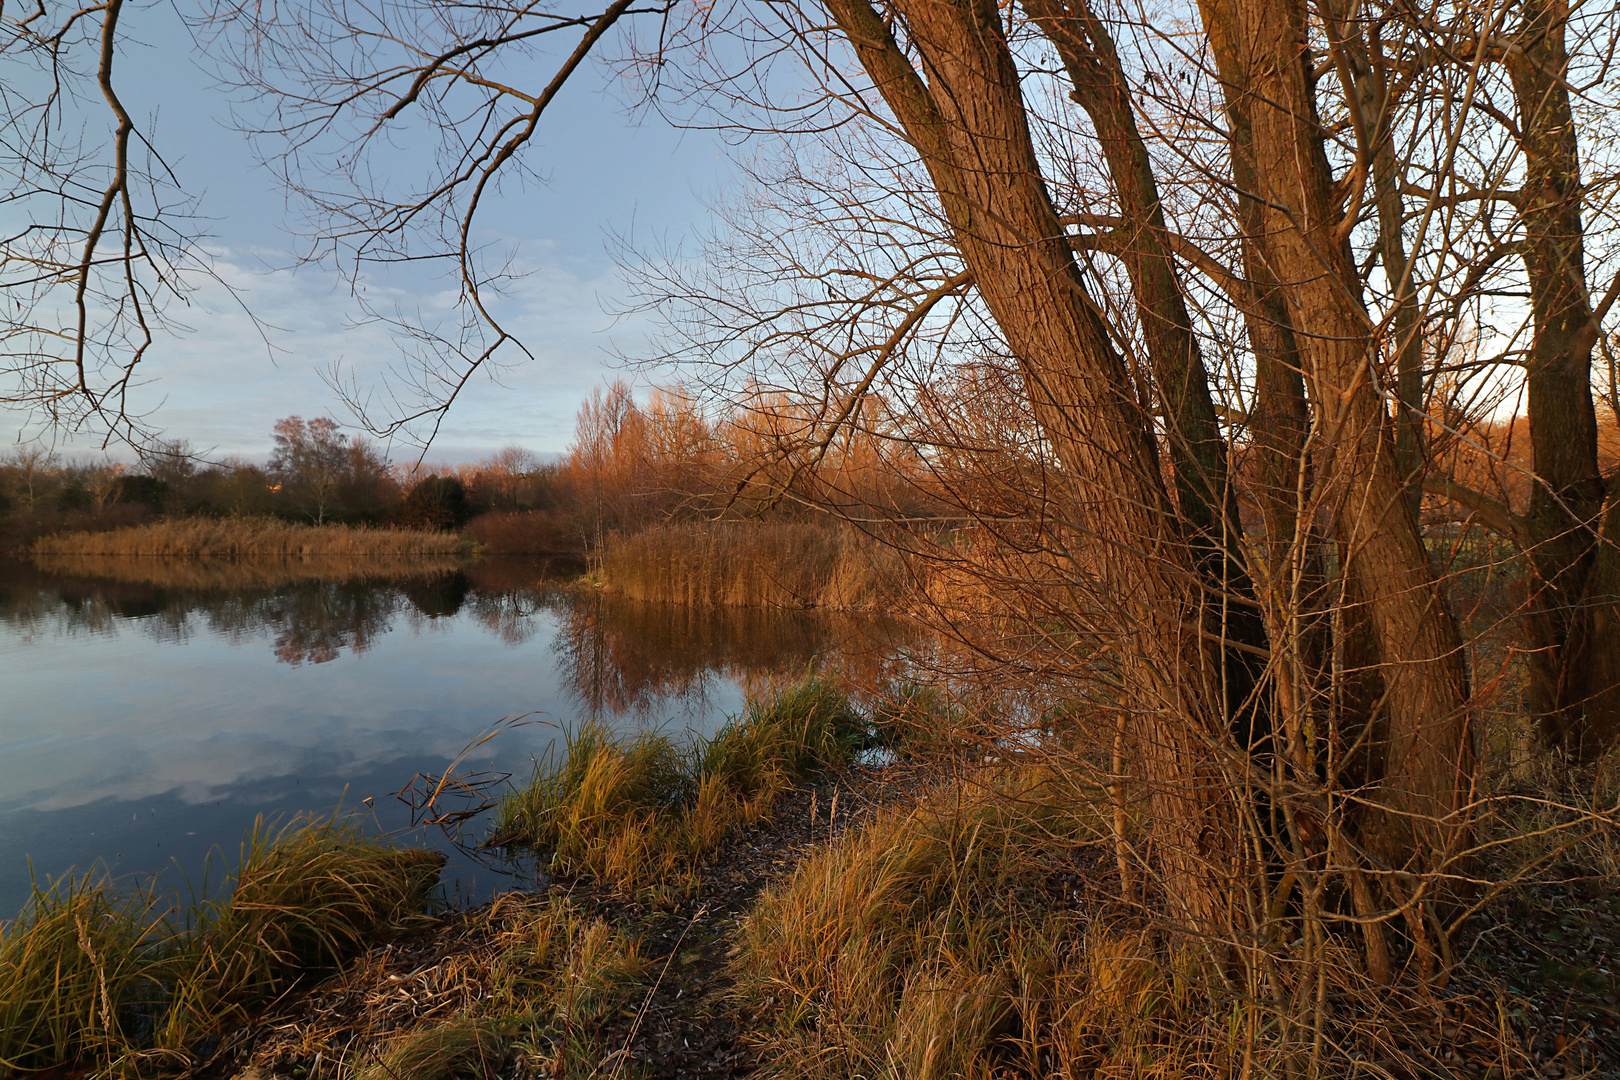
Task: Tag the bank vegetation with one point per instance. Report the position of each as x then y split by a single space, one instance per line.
251 538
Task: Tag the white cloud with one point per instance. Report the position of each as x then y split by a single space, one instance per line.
252 358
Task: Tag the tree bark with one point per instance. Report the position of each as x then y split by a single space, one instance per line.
965 115
1573 631
1198 450
1428 762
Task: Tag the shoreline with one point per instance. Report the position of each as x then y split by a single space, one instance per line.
681 1025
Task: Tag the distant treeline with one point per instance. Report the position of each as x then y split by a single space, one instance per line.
316 475
633 465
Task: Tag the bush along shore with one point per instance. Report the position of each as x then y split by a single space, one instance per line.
759 903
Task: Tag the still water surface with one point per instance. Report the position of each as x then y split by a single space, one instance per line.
150 710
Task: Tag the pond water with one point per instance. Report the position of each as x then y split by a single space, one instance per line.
153 709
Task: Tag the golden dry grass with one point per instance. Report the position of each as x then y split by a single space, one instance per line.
529 977
242 538
971 936
209 573
116 984
743 564
642 812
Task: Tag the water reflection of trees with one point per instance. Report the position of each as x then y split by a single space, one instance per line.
317 622
622 658
617 658
307 619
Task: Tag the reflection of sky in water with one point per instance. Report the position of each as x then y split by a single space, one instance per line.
144 722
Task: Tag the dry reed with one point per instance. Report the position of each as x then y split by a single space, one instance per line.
207 573
240 538
736 564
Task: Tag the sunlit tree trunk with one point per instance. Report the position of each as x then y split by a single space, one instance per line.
1261 49
965 116
1198 451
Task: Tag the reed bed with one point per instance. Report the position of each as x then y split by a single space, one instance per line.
252 538
736 564
641 812
112 985
216 574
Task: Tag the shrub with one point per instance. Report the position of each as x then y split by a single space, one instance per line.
73 496
140 491
437 502
534 532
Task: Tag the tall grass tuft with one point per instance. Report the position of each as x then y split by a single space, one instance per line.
564 980
305 897
946 941
95 981
644 810
240 538
77 970
804 727
737 564
465 1046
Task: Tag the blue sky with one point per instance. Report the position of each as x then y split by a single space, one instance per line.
222 387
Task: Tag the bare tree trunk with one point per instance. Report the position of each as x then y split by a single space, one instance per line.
1573 630
967 121
1428 752
1198 450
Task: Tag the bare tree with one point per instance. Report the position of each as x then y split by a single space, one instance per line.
310 461
102 242
332 81
1339 230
